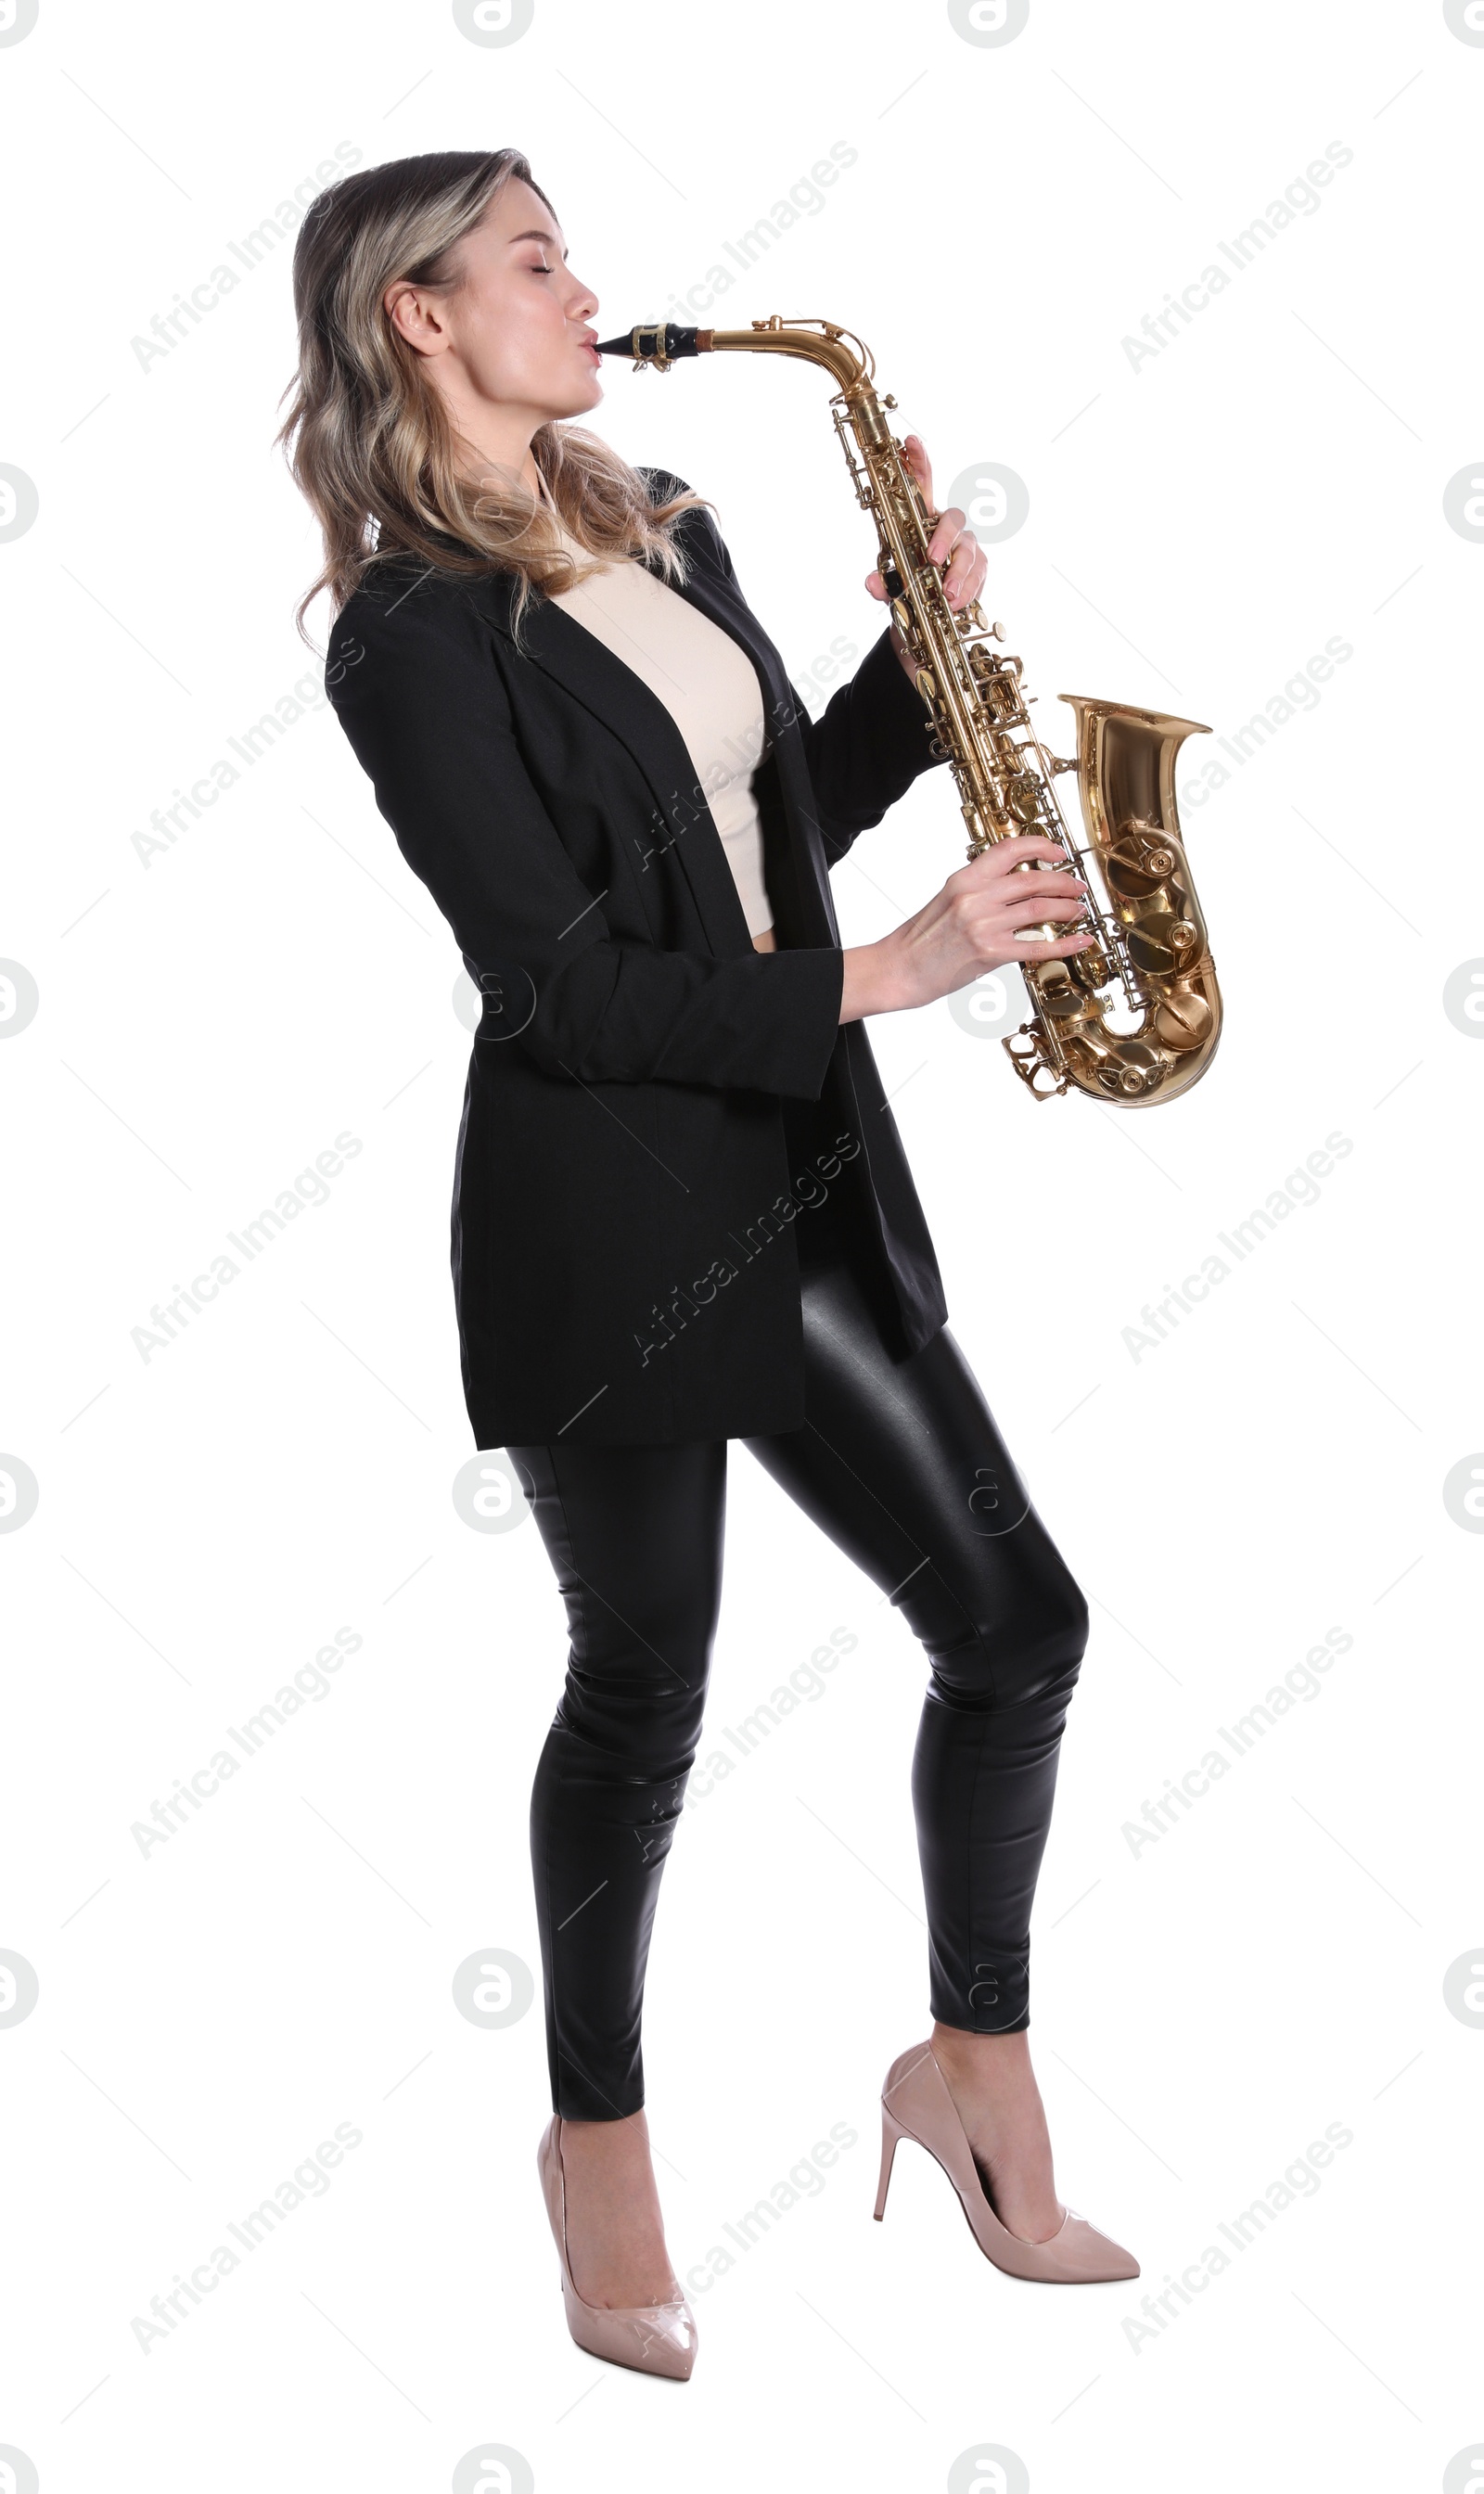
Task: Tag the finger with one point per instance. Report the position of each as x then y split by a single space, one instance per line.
948 528
1019 848
1013 862
1026 906
963 576
1013 903
919 465
1056 952
1024 844
1057 905
1044 875
875 584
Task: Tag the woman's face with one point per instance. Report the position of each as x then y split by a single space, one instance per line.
516 337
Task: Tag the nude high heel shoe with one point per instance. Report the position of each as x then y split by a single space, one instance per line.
915 2104
648 2337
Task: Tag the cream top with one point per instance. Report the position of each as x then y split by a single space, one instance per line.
708 684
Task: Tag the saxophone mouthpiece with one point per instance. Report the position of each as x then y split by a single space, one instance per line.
655 342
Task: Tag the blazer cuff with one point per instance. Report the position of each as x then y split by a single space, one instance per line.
801 1005
896 707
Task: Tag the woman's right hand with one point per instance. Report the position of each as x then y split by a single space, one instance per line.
968 928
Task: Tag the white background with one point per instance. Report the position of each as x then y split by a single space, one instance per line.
210 1021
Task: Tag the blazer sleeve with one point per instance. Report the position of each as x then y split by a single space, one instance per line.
872 740
414 682
866 748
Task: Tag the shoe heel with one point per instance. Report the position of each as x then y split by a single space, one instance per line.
890 2133
1077 2254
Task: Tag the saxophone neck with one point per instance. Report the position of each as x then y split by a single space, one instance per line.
844 357
1151 955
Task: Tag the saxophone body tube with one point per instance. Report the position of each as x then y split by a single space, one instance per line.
1153 956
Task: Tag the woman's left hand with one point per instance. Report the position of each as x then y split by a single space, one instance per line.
952 541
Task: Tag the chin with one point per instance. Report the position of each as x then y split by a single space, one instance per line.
579 405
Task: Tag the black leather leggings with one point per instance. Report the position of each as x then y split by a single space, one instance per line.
900 1463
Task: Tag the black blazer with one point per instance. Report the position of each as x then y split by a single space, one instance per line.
623 1256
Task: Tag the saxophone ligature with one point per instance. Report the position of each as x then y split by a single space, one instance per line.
1135 1017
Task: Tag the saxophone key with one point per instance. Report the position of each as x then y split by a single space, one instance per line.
1183 1021
1147 965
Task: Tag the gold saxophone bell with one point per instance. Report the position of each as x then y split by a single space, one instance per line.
1135 1017
1158 964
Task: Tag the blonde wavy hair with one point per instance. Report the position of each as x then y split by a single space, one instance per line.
367 438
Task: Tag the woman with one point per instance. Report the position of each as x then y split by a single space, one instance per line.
682 1211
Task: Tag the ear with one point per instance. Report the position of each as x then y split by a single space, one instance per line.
416 317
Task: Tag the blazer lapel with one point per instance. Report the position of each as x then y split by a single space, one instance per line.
794 852
796 879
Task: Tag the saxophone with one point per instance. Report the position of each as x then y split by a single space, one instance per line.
1134 1017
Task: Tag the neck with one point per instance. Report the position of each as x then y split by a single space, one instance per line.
510 457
